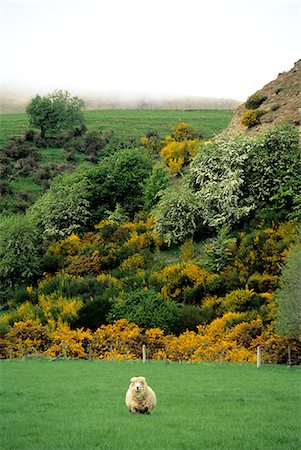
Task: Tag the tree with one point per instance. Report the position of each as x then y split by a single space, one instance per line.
154 186
147 309
217 177
288 296
64 208
119 180
55 112
176 216
19 252
273 168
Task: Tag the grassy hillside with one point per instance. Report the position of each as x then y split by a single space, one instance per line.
131 123
23 179
209 406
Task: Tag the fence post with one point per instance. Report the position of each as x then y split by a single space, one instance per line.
289 356
111 351
258 356
126 352
90 356
143 353
11 352
64 349
21 347
190 355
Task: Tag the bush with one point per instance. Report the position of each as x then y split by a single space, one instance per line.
250 119
176 216
255 100
147 309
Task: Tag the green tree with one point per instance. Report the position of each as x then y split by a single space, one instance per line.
64 208
176 216
288 296
217 177
19 252
55 112
147 309
154 186
273 168
119 180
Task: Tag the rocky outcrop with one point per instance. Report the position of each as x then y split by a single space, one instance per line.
282 104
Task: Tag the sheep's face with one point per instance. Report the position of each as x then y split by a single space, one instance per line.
138 384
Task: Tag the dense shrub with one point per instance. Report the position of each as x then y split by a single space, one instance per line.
176 216
217 177
255 100
250 119
147 309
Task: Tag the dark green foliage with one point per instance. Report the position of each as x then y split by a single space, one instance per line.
190 317
154 186
90 143
19 252
147 309
118 180
273 169
255 100
288 296
55 112
219 252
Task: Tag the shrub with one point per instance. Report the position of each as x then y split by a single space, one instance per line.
176 216
275 106
147 309
255 100
184 132
250 119
217 177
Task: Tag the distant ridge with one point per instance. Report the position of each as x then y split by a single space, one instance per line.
14 101
180 103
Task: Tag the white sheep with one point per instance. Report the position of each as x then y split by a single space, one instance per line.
140 398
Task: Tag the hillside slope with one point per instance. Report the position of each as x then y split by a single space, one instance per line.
283 103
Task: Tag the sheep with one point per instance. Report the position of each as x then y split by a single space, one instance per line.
140 398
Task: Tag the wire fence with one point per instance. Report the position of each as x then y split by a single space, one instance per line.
263 354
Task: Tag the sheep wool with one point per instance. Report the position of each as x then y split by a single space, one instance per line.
140 398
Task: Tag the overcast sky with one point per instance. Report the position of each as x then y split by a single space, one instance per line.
219 48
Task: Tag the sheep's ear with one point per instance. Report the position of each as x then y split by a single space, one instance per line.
133 379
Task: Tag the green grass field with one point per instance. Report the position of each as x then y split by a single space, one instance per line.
131 123
80 405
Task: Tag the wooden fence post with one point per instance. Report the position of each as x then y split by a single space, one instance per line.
143 353
190 355
90 355
126 352
289 356
64 349
258 357
111 351
21 347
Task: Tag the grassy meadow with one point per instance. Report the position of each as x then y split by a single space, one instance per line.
131 123
73 404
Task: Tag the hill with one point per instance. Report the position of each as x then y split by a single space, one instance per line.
282 104
14 101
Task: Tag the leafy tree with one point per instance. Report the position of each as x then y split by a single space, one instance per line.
176 216
64 208
217 177
55 112
288 296
119 179
219 251
154 186
273 168
19 252
147 309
